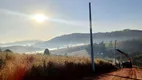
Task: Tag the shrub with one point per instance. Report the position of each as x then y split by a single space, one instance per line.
7 50
42 67
46 51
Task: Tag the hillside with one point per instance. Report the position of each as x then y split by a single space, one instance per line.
20 43
78 40
83 38
22 49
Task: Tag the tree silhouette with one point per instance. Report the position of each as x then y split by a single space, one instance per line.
46 52
8 50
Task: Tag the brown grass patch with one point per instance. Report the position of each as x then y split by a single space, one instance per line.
42 67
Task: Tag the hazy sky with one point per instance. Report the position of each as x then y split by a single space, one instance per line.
65 16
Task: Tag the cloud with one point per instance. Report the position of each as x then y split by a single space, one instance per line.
14 13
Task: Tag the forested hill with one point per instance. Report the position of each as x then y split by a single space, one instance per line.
78 38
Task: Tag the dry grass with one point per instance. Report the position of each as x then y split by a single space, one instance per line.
42 67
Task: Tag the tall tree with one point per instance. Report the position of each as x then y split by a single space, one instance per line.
102 47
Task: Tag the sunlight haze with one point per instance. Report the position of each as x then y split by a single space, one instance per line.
58 17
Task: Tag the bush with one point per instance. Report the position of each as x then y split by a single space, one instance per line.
46 52
7 50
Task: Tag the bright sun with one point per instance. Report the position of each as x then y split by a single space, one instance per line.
40 17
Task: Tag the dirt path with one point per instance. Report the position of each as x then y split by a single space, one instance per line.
123 74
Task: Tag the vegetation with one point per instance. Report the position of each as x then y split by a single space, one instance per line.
0 50
131 46
137 59
77 38
7 50
43 67
107 49
46 52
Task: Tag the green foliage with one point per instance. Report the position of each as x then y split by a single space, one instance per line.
137 59
131 46
98 48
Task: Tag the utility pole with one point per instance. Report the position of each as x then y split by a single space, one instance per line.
91 39
115 51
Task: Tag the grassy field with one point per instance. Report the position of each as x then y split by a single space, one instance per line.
44 67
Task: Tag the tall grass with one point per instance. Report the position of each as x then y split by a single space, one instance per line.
42 67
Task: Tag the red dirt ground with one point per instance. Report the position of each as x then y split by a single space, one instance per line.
122 74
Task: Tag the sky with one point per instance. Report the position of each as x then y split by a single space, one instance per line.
65 17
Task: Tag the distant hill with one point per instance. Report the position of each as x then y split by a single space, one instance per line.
21 49
71 40
83 38
20 43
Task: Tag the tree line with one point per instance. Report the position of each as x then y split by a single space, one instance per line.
107 49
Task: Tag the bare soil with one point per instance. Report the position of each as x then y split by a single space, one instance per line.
121 74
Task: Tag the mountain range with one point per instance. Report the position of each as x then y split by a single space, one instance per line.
84 38
73 39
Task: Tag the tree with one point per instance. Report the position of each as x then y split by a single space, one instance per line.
7 50
110 46
96 47
102 47
46 52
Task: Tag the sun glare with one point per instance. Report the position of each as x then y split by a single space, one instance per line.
40 17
